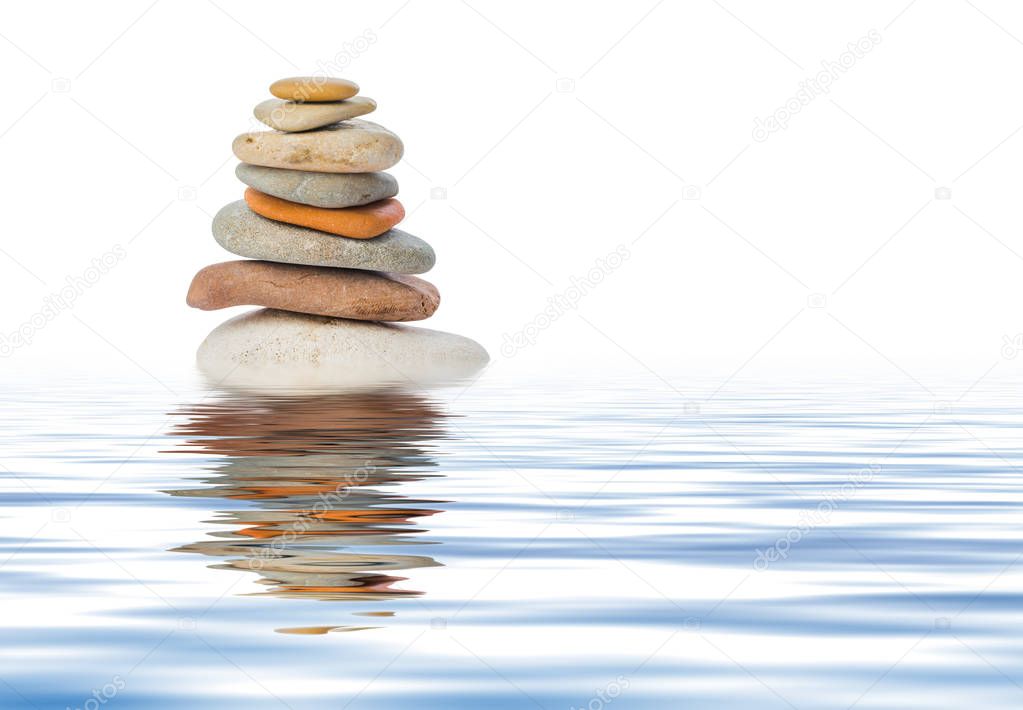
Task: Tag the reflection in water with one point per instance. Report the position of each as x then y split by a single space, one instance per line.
310 480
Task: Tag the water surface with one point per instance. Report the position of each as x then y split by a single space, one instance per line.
511 544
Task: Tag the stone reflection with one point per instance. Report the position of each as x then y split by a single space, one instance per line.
313 486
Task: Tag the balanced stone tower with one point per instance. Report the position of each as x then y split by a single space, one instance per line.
317 224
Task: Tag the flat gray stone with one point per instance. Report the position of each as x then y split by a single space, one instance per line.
292 116
354 146
243 232
332 190
269 350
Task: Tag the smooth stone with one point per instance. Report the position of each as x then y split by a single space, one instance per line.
243 232
294 116
331 190
354 146
271 350
316 290
364 222
314 88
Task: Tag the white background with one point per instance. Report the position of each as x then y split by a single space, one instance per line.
559 130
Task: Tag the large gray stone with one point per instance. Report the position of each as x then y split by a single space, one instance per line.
354 146
332 190
243 232
268 350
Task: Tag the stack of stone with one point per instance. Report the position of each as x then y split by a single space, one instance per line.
317 224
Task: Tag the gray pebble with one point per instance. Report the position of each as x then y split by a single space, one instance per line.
241 231
332 190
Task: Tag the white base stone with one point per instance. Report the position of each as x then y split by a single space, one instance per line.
269 350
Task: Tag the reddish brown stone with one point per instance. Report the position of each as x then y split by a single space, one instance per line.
316 290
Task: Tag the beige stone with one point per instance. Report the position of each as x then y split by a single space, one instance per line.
276 351
293 116
354 146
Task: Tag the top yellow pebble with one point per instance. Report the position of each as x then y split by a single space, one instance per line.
314 88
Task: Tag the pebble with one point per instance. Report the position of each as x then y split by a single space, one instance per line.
354 146
314 88
316 290
294 116
243 232
331 190
270 350
363 222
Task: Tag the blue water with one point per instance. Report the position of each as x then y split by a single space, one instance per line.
623 544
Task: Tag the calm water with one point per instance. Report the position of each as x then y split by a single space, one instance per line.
610 544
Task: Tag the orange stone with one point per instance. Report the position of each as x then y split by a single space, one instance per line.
362 222
314 88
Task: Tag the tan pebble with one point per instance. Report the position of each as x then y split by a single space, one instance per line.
293 116
314 88
354 146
